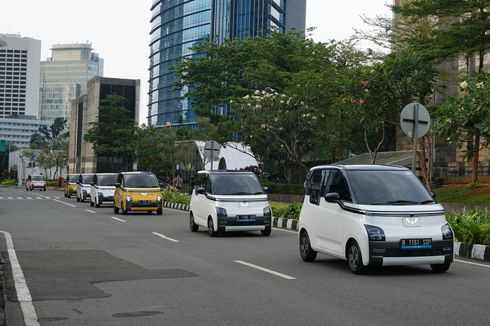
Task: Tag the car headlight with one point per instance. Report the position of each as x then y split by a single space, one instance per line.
159 198
267 211
375 233
128 198
447 232
221 212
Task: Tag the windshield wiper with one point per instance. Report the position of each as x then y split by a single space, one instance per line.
428 201
397 202
240 193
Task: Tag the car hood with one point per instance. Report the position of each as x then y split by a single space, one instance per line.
238 198
410 210
142 189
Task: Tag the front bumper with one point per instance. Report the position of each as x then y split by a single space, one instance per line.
143 205
103 198
382 253
38 186
229 224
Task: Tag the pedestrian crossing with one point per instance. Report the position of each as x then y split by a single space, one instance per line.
28 197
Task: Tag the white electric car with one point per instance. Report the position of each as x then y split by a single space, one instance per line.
226 201
102 189
373 215
83 186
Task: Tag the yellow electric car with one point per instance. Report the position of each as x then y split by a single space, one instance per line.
137 192
70 185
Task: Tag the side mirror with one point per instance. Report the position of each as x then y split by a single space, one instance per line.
117 184
332 197
200 191
433 195
266 189
92 183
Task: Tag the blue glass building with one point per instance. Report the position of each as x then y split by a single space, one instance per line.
176 25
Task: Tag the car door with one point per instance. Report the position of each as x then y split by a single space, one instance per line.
331 228
198 200
117 192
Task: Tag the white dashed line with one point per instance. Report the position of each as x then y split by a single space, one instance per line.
468 262
20 198
283 230
90 211
59 201
287 277
118 219
10 197
23 294
164 237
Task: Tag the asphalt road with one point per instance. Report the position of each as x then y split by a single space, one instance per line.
85 267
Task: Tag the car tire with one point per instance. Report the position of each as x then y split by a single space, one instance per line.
44 188
211 230
266 232
124 211
354 258
440 268
91 203
159 211
193 226
78 198
116 210
307 253
97 203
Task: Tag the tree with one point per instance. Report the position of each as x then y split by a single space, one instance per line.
113 135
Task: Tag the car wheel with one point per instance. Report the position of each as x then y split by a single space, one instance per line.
159 211
44 188
91 203
193 226
97 203
116 210
78 198
440 268
211 230
354 257
266 232
124 211
307 253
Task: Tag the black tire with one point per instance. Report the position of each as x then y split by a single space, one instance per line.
91 203
78 199
354 258
440 268
307 253
267 232
211 230
97 203
116 210
159 211
193 226
64 193
44 188
124 211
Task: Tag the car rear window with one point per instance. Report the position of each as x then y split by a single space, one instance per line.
37 178
86 179
106 180
378 187
141 181
73 178
236 184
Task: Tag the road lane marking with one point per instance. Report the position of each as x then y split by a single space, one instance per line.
10 197
40 198
287 277
20 197
283 230
164 237
29 198
468 262
118 219
91 211
59 201
23 294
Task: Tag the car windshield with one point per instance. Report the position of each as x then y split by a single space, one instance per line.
236 184
106 180
88 178
37 178
141 181
387 188
73 178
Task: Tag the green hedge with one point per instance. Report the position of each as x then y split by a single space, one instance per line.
471 227
287 211
9 182
176 197
283 188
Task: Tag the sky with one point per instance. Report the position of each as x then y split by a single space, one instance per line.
119 29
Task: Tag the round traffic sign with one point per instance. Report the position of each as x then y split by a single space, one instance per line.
415 118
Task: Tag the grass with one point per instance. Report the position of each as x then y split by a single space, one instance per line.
479 195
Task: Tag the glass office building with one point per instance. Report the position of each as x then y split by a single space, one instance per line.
177 25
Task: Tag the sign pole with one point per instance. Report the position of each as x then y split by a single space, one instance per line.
212 154
414 136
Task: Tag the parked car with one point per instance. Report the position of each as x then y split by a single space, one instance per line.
226 201
373 215
70 185
83 186
38 182
137 191
102 188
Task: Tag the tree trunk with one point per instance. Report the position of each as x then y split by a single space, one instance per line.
476 155
423 163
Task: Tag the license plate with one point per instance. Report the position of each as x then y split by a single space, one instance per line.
416 243
245 218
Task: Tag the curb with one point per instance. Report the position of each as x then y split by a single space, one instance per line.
476 251
278 222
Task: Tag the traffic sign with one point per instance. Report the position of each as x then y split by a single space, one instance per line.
415 120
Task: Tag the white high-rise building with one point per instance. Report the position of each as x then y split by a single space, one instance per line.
64 77
19 75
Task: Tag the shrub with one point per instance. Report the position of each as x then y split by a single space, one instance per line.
9 182
283 188
287 211
470 226
176 197
485 234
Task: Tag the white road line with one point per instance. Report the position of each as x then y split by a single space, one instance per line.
283 230
59 201
468 262
118 219
29 198
90 211
56 197
10 197
23 294
40 198
1 197
287 277
164 237
20 197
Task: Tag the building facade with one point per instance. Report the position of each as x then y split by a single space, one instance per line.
64 77
19 75
85 110
177 25
17 130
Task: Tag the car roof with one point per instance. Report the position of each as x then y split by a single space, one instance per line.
106 174
136 172
363 167
224 172
86 173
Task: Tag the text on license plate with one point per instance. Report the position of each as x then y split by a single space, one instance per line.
416 243
245 218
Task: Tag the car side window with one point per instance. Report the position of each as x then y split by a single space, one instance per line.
335 181
80 178
314 186
207 185
119 179
95 180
